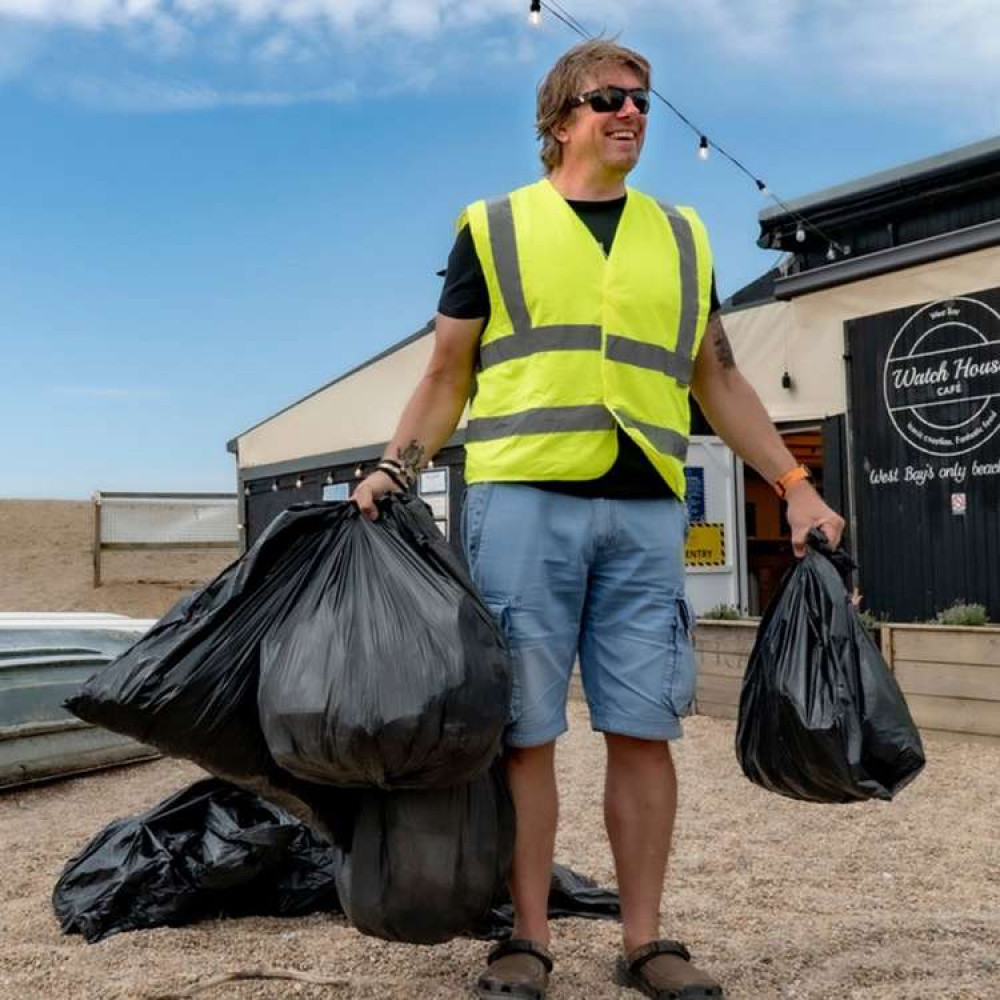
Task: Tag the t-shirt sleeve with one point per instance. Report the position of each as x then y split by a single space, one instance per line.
465 295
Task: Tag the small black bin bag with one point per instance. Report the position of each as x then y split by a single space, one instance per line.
389 671
426 866
821 717
207 851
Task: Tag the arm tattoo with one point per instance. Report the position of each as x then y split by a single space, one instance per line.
411 458
723 349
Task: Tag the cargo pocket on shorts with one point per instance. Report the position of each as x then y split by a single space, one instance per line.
682 668
500 610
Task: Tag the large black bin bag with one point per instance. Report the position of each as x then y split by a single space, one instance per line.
389 671
209 850
189 685
425 866
821 717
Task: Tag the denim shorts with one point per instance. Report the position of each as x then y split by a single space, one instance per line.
600 580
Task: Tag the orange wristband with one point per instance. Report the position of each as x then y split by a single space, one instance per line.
784 483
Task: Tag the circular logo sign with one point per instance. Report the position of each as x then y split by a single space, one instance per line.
941 381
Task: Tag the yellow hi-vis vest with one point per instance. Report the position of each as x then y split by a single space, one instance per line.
579 343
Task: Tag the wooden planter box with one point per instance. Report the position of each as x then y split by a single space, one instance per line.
950 675
722 648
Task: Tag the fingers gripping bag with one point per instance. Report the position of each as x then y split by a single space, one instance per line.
389 671
821 717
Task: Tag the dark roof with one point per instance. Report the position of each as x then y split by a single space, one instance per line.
878 219
422 332
919 174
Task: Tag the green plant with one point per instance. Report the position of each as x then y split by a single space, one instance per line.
963 614
724 612
872 621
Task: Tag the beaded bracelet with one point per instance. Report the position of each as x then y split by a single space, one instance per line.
393 474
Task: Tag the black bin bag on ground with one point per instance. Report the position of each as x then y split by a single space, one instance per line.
388 671
821 717
214 850
210 850
426 866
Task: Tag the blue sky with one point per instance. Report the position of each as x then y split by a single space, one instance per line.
211 207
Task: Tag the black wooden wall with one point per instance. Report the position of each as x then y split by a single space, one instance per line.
924 424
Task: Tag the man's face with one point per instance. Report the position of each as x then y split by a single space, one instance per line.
609 140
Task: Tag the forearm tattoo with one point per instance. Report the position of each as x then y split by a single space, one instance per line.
411 458
723 349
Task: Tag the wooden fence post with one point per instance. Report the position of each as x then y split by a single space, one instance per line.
97 539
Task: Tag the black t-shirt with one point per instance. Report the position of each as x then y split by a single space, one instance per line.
465 296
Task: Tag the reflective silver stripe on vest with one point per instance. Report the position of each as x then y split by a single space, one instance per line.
500 216
534 340
643 355
684 237
665 440
543 420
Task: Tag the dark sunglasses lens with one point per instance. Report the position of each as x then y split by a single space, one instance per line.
612 99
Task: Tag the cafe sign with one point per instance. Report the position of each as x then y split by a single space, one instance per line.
941 378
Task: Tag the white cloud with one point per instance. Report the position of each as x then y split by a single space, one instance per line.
137 94
934 50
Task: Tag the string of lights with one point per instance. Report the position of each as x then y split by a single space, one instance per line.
705 144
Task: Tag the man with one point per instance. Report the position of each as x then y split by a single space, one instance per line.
578 314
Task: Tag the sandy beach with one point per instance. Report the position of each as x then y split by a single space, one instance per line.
779 899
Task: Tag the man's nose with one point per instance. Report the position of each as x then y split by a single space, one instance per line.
628 108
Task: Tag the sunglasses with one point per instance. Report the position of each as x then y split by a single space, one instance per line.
612 99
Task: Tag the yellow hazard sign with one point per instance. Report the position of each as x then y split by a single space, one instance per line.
706 544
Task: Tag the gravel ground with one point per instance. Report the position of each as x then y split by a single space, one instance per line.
779 899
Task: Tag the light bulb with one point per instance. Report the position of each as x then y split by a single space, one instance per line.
298 483
762 187
535 13
703 149
800 235
274 486
831 254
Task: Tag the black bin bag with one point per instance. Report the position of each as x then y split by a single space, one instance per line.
426 866
821 717
189 685
210 850
388 671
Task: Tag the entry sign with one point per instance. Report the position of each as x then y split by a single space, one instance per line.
706 545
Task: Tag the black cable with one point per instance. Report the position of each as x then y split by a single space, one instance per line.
578 25
568 21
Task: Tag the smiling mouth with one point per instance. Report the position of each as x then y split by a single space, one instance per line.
622 135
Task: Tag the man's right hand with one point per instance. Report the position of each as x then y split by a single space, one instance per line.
370 490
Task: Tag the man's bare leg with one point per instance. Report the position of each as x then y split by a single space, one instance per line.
532 778
640 802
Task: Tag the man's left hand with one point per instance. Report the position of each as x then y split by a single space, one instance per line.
807 510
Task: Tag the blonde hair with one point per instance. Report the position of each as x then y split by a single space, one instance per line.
566 80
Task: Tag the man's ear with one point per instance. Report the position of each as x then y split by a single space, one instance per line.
560 132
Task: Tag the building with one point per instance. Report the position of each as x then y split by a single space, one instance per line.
875 345
880 366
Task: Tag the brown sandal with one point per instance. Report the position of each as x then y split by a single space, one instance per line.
518 969
663 970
